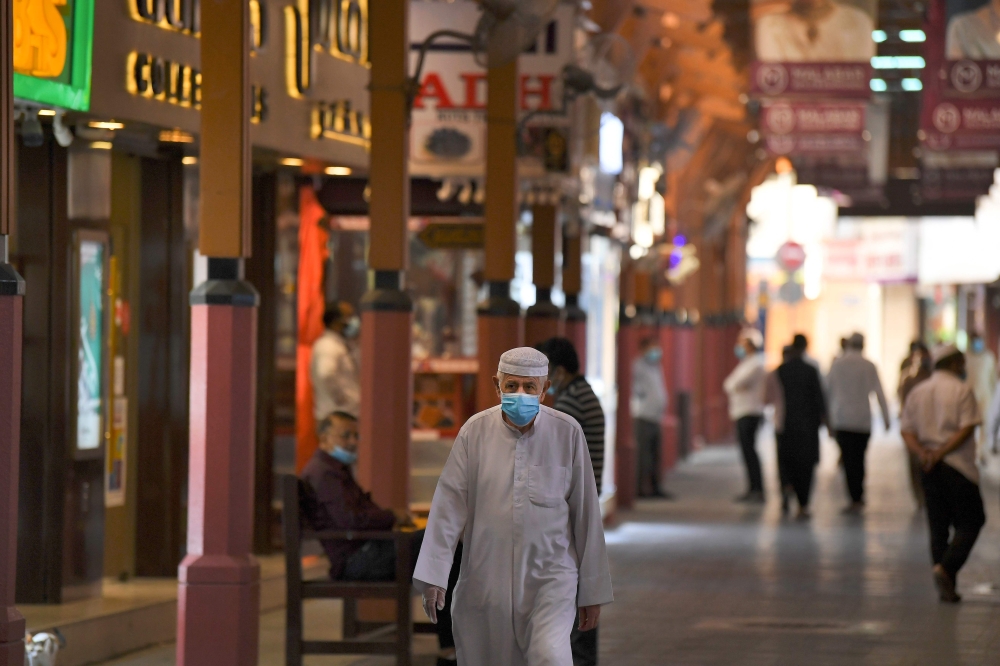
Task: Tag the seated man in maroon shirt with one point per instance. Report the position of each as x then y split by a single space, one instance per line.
340 504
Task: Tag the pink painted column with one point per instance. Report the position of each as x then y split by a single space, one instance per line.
219 593
575 329
386 392
11 309
500 327
625 454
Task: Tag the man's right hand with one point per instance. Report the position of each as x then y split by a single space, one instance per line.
433 602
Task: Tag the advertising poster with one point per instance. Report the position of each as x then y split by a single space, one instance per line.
448 131
90 347
961 106
813 47
52 51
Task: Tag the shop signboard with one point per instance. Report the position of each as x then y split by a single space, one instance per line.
309 73
448 131
89 342
453 236
872 250
52 52
820 49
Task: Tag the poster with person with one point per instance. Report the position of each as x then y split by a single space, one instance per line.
973 30
810 47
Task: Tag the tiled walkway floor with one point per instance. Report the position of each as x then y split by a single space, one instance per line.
704 581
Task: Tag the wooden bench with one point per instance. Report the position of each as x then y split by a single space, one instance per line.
359 637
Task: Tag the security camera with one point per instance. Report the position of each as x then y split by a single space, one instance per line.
64 135
31 129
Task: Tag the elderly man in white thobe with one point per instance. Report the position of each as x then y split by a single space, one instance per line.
518 490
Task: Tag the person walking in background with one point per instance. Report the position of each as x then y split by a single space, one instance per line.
850 383
334 364
649 401
801 345
938 422
745 387
981 365
797 393
574 397
914 369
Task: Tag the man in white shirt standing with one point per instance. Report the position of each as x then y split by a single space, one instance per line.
745 389
938 422
851 381
647 404
518 490
334 364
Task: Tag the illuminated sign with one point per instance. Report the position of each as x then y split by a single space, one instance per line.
339 122
336 27
52 51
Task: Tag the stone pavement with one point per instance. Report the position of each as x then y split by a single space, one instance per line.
704 581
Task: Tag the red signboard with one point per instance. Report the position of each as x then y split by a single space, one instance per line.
813 118
831 79
814 144
791 256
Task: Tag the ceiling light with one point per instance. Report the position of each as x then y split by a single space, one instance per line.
101 145
912 35
189 160
291 162
46 112
338 171
175 136
879 36
898 62
105 124
671 20
878 85
912 85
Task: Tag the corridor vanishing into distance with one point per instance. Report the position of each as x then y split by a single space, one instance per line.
704 581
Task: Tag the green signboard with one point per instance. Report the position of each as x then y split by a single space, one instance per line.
52 52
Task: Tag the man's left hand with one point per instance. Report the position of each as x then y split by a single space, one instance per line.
588 617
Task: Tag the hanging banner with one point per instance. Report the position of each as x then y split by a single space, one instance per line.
814 47
813 118
961 109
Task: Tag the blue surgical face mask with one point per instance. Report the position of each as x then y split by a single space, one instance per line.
978 346
352 327
740 351
654 355
520 408
344 456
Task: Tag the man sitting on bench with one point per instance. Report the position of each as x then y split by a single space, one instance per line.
341 504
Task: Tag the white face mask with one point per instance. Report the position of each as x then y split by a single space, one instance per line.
352 327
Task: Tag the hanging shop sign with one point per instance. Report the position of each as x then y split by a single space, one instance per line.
961 105
872 250
453 236
309 72
813 118
802 51
448 131
52 51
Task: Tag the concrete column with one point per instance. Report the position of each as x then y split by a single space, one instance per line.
543 319
387 311
499 325
219 580
11 312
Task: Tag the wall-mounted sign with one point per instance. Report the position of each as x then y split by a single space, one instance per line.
448 132
52 51
453 236
309 72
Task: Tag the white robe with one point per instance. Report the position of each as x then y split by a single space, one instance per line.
526 509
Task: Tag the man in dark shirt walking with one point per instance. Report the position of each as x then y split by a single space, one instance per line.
574 396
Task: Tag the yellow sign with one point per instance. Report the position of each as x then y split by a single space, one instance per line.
39 38
339 122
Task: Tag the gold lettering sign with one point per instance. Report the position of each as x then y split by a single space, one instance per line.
39 38
178 15
336 27
298 69
161 79
337 121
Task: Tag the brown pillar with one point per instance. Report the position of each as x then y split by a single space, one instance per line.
219 593
626 459
499 316
575 319
386 311
11 310
542 320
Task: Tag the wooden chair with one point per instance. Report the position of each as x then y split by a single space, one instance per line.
296 496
